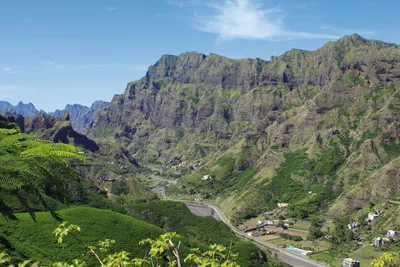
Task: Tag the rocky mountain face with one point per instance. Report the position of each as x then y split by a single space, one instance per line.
310 128
55 129
81 116
27 110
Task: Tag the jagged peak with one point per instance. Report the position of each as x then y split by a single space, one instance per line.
354 39
65 116
295 52
357 40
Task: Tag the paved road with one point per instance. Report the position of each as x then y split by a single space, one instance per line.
395 202
289 258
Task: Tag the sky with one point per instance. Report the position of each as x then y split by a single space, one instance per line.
54 53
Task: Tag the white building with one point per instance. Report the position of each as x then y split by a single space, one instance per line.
353 226
283 205
372 216
379 241
392 233
206 177
349 262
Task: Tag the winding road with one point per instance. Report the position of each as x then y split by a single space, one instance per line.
289 258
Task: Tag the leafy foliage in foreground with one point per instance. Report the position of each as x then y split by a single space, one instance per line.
26 164
200 231
163 251
176 217
36 240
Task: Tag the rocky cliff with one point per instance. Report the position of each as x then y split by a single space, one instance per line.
81 116
55 129
319 121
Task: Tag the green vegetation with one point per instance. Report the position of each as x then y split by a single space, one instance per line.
20 239
391 145
36 240
325 256
194 99
315 191
164 250
380 91
291 237
176 217
353 79
200 231
224 175
27 164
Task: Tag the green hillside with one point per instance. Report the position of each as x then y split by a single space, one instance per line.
199 231
176 217
35 240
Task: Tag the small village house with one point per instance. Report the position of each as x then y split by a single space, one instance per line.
393 234
206 177
353 226
283 205
372 216
349 262
182 164
250 233
379 241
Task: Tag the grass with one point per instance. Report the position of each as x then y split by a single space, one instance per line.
36 241
365 255
301 225
200 231
392 146
317 246
379 92
176 217
326 257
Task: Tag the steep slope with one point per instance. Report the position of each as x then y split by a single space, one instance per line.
56 130
268 131
81 116
36 240
27 110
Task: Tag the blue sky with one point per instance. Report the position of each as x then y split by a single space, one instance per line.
57 52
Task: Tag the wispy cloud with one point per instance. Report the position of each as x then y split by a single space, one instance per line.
123 66
6 70
50 63
53 64
343 31
111 8
8 91
246 19
183 3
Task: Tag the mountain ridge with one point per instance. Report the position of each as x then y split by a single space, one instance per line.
81 116
262 114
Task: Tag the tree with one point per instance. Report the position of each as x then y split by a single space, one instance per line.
387 259
315 229
163 252
27 164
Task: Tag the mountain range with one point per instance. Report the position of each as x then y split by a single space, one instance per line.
80 116
316 129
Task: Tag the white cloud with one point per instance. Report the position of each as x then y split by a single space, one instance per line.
247 19
111 8
183 3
